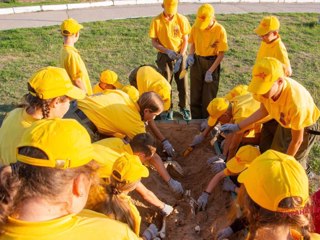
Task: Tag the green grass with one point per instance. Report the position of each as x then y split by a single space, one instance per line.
23 3
121 45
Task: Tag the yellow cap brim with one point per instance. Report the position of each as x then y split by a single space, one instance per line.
76 93
261 31
203 24
256 86
117 85
212 121
234 166
172 9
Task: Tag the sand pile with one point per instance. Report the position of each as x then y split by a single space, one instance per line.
182 223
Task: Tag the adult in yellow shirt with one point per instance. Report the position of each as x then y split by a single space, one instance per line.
70 58
143 147
108 80
169 35
48 186
289 103
126 174
50 91
208 43
146 78
271 46
223 111
274 194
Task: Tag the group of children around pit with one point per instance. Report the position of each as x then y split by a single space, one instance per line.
69 148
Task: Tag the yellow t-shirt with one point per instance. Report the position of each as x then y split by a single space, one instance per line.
277 50
71 60
86 225
242 107
209 42
294 108
295 235
113 113
12 128
97 89
170 33
148 79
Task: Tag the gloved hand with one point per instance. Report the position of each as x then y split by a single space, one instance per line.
224 233
202 201
151 232
190 60
168 148
171 54
177 65
203 125
218 166
212 160
230 128
166 210
175 186
208 77
197 140
228 185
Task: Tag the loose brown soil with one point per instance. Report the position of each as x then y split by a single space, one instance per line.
181 224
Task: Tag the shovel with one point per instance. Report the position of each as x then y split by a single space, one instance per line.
176 166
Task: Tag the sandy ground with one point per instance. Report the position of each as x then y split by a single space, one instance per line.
181 224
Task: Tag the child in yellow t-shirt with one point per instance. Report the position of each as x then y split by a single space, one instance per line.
108 80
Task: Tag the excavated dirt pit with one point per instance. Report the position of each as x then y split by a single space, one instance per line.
182 223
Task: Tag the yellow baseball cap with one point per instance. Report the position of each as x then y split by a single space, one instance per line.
70 26
243 158
265 72
267 24
204 16
236 91
132 92
110 77
128 168
274 176
51 82
216 108
170 6
66 143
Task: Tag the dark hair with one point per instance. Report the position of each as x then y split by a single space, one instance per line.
150 100
143 142
21 181
259 217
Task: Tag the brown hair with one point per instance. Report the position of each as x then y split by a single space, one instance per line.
114 205
259 217
143 142
33 103
150 100
21 181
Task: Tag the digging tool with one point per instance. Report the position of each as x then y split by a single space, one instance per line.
188 151
184 72
176 166
162 232
193 203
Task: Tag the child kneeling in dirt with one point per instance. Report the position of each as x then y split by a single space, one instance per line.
127 172
236 165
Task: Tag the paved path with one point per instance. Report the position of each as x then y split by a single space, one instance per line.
39 19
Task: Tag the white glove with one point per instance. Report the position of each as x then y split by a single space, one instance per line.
212 160
202 201
171 54
208 77
197 140
230 128
203 125
151 232
218 166
177 65
166 210
228 185
224 233
190 60
168 148
175 186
